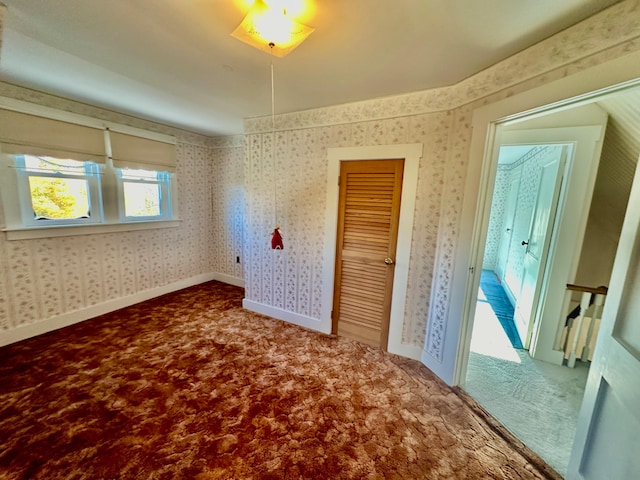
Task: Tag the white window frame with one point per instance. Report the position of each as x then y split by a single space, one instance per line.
163 181
16 203
94 192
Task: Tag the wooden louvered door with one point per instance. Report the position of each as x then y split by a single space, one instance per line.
369 210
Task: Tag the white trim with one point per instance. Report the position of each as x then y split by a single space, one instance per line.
53 231
568 92
55 114
162 181
285 315
235 281
90 174
411 153
60 321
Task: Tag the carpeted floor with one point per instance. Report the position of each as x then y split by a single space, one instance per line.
536 401
191 386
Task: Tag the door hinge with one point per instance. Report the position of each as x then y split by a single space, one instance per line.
472 270
331 314
338 180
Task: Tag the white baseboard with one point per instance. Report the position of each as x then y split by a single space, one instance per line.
221 277
60 321
436 367
405 350
287 316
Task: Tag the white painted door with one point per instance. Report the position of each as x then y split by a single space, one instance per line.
507 224
536 245
607 444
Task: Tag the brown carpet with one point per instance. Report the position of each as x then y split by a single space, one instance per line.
191 386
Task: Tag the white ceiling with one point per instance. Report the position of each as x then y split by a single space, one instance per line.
173 61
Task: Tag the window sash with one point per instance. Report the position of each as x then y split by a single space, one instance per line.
32 130
91 176
164 191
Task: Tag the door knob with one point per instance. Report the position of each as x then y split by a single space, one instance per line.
525 243
388 261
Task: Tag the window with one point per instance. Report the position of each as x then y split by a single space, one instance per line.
65 170
143 194
55 191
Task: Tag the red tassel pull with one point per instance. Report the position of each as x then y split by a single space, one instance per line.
276 239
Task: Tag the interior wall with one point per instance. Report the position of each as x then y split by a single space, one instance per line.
618 161
285 182
41 279
496 218
285 179
225 239
285 175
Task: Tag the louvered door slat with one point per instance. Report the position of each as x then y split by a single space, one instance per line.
368 225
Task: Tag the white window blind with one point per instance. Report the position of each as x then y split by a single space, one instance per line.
129 151
24 134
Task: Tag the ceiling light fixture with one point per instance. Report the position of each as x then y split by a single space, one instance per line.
269 28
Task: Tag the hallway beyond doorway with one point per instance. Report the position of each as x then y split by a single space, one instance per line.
536 401
491 292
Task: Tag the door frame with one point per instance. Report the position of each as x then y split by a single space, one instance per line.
411 153
575 90
567 228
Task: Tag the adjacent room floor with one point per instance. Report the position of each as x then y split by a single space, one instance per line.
536 401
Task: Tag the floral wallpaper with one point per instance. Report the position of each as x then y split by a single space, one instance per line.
285 174
224 235
285 179
496 217
43 278
235 190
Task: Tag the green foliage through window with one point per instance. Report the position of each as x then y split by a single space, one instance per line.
56 194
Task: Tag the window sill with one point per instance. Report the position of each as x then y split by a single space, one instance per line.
23 233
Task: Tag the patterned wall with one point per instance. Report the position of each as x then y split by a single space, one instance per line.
285 177
496 217
285 171
225 238
43 278
504 177
284 182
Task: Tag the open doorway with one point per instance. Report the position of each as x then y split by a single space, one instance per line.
517 374
502 376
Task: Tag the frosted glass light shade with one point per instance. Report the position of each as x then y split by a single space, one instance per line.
264 25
